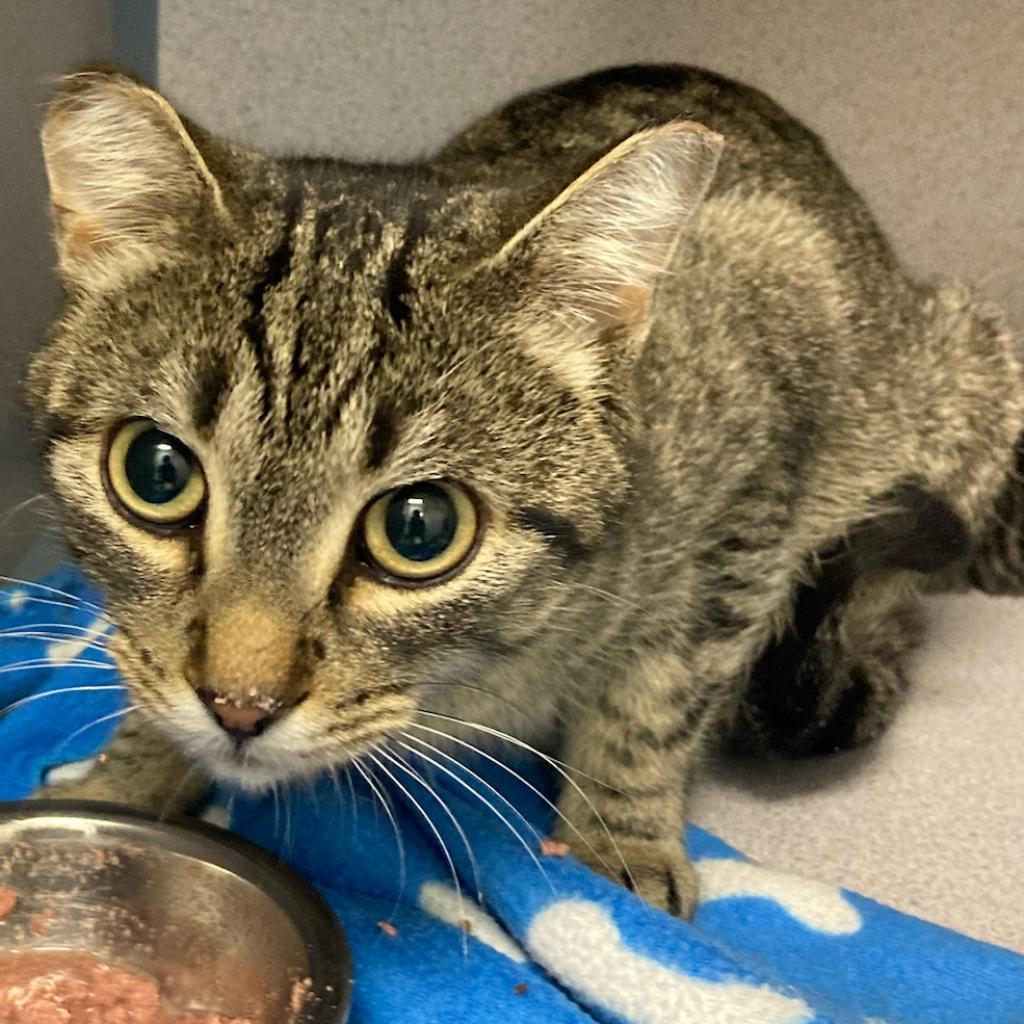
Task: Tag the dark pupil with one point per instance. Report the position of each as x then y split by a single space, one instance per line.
158 466
420 522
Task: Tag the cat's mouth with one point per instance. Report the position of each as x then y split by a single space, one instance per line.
289 750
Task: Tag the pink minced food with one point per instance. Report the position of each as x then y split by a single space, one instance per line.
77 988
8 901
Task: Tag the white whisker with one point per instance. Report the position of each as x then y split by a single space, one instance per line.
78 602
286 792
21 666
427 684
73 627
400 762
522 780
434 830
497 733
607 595
557 765
63 604
96 721
487 803
54 693
451 759
52 638
353 805
277 808
385 800
20 507
336 783
310 787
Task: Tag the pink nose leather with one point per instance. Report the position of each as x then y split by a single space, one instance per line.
241 721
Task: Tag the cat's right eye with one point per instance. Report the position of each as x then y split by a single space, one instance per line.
154 479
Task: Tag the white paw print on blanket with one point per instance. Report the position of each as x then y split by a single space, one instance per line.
814 904
73 771
443 902
578 943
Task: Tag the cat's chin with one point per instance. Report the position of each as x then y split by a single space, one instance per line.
253 769
255 774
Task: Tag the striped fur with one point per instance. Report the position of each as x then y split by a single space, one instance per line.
718 436
997 564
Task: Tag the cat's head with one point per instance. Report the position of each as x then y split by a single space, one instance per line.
331 437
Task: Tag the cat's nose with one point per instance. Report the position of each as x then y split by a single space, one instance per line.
242 720
245 664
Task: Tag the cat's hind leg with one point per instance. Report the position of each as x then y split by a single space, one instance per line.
997 561
837 676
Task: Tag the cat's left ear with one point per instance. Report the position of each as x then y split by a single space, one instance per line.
127 178
586 266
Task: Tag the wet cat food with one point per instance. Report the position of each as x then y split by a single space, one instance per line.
8 901
77 988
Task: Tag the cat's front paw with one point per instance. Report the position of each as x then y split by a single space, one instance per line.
657 870
146 785
83 780
96 785
81 790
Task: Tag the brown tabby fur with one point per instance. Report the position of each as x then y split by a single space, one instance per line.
718 441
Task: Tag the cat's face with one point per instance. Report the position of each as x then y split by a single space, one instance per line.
332 442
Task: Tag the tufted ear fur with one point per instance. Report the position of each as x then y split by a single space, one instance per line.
589 262
125 177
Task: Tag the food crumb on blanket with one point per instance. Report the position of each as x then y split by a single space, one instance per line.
521 989
76 988
553 848
387 928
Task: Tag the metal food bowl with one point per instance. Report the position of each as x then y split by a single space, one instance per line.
215 921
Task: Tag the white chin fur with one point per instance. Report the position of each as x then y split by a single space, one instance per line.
253 776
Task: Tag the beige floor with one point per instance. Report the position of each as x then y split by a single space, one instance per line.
932 819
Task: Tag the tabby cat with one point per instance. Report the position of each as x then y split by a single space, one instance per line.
614 427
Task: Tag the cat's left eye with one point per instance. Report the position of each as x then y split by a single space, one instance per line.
154 477
420 532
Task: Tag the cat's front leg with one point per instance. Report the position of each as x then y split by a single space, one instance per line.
638 736
140 768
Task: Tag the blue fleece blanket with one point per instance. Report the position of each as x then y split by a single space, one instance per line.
549 940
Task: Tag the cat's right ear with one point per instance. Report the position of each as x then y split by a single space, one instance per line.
126 178
581 274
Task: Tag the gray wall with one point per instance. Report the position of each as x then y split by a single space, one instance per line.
920 100
38 41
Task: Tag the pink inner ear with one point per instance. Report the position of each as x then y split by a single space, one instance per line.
633 302
125 177
83 235
620 305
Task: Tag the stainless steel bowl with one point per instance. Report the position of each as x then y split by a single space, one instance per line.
215 921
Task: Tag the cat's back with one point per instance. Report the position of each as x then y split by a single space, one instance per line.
544 139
